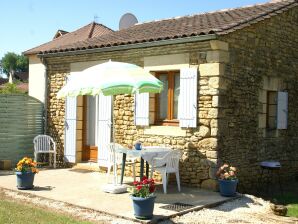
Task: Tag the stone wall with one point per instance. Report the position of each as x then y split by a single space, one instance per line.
262 57
56 107
198 145
230 103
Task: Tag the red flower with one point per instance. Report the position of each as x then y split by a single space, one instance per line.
145 181
151 180
151 188
136 183
143 188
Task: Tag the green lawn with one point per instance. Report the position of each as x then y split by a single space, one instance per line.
291 201
20 213
293 210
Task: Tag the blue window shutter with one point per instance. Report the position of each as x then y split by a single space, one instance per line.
282 110
70 129
187 104
142 109
104 128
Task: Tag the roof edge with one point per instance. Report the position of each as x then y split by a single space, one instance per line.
92 24
259 18
132 46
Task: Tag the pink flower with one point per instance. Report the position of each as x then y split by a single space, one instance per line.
232 173
233 168
139 187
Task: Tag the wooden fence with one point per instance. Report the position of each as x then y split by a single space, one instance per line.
21 119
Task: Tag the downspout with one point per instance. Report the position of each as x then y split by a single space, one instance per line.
43 61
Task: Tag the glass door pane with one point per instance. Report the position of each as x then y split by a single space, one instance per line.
163 98
176 95
91 120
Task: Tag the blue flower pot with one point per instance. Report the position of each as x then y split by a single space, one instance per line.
227 188
25 180
143 207
138 146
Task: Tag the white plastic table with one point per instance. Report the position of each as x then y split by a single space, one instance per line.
146 153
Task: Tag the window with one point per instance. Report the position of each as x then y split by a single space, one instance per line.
271 116
167 100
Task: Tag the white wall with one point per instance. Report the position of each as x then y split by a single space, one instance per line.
80 66
37 78
166 62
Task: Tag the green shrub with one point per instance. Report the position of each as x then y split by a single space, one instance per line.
9 88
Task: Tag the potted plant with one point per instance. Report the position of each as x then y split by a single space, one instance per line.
227 180
143 198
25 171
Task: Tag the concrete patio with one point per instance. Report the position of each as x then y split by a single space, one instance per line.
84 188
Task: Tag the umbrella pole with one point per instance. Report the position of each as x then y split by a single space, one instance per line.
114 188
114 145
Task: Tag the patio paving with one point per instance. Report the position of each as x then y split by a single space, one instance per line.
84 189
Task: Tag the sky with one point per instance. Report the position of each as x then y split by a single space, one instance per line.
25 24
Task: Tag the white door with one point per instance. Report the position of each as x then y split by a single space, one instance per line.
104 127
70 129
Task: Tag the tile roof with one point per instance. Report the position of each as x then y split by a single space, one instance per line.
89 31
218 22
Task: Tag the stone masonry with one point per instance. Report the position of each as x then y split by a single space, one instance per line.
231 76
198 145
263 57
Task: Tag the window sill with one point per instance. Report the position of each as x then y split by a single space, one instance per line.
167 123
165 130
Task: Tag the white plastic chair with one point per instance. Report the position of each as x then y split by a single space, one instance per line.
44 144
130 160
171 165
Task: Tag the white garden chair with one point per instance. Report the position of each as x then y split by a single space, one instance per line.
44 144
170 163
130 160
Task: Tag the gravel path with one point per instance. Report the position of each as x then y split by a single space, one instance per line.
247 209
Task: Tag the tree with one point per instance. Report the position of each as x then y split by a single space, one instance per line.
12 63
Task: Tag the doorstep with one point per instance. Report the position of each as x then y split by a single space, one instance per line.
89 165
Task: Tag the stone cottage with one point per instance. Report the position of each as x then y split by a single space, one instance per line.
230 86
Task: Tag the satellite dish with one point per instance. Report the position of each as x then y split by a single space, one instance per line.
127 20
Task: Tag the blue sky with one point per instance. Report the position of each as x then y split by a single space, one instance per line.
27 23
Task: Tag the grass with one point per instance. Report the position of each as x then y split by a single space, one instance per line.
291 201
19 213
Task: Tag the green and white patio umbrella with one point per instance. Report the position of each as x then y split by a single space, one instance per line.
111 78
